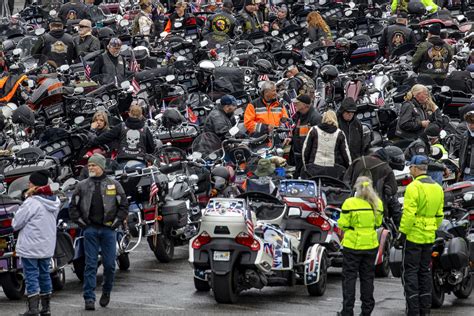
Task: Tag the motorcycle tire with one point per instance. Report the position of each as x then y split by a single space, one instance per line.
383 270
437 294
225 287
58 279
79 266
318 288
123 262
201 286
164 249
466 288
13 285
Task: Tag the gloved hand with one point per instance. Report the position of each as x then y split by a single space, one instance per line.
116 224
82 224
400 241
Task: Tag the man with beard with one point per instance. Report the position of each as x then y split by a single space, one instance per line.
110 64
221 119
85 42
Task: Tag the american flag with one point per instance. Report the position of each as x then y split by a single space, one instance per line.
249 222
153 190
134 67
292 109
87 69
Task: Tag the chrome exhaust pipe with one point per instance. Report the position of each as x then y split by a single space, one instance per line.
178 232
455 277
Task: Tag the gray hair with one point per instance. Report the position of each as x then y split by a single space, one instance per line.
267 85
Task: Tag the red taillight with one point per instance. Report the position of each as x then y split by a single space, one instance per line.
406 181
201 240
471 216
149 214
317 220
248 241
6 223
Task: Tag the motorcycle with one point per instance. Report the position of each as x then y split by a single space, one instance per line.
240 245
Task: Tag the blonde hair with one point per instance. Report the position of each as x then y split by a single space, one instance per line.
135 111
416 89
315 19
329 117
365 191
104 116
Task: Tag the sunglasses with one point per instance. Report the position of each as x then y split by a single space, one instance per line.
83 26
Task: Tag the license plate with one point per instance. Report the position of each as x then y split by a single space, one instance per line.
294 233
221 255
3 243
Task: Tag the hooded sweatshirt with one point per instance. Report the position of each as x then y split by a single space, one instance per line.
352 129
36 221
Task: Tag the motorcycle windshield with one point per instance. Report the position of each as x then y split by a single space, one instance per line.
206 144
26 44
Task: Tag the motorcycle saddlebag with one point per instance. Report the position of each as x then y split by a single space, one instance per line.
175 214
64 252
8 208
364 55
455 254
395 261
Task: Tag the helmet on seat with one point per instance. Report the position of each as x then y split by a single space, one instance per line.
263 66
328 73
395 157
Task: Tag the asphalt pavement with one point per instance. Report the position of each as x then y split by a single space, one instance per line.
154 288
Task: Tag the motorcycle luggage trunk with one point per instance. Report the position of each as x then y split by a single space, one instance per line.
8 208
175 214
395 261
364 55
455 254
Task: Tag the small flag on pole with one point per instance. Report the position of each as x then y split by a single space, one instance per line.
153 190
134 67
87 69
249 222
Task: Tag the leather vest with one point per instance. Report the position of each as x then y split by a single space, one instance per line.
397 35
222 22
307 87
132 144
435 60
112 70
56 48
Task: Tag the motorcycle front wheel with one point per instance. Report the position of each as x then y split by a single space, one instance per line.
318 288
437 294
383 269
13 284
163 247
225 287
466 288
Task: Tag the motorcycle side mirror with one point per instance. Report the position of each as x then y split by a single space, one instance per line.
40 31
125 85
294 212
78 120
468 196
275 33
124 23
53 13
178 25
170 78
64 68
17 51
445 89
234 131
31 83
443 134
78 90
203 44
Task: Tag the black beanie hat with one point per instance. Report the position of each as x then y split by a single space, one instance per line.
432 130
435 29
39 178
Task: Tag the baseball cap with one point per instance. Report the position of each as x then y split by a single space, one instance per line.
418 160
303 99
85 23
228 100
432 130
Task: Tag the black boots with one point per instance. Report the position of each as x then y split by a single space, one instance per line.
45 309
104 299
33 306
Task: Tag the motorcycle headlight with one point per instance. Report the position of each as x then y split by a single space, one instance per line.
360 116
366 114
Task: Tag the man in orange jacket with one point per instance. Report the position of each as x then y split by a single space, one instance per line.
264 113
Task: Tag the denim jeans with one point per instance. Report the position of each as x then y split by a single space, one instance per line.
37 276
467 177
97 239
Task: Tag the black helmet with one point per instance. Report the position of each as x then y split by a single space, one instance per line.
105 34
263 66
171 118
219 177
395 157
328 73
416 7
342 43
